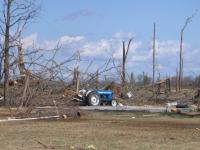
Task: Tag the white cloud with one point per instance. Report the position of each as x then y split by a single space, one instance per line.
140 53
167 48
62 41
124 35
99 48
77 14
134 48
30 40
70 39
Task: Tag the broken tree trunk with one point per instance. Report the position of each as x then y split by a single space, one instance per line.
74 77
25 91
77 80
188 20
27 119
97 80
125 53
123 70
191 114
177 76
21 65
132 80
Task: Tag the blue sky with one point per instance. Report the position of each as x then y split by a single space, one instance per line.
102 25
108 17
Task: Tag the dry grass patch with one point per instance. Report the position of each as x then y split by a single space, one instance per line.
103 131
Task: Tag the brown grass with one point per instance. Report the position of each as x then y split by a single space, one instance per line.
106 131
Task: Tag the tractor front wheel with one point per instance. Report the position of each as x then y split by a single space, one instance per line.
94 99
114 103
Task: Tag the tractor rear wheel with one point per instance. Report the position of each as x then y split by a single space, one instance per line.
94 99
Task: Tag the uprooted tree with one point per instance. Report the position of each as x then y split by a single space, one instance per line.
15 16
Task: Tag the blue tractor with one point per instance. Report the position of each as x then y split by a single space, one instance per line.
96 97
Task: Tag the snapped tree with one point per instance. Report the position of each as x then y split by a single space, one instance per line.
125 54
15 16
187 21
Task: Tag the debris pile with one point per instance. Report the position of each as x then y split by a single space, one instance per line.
189 107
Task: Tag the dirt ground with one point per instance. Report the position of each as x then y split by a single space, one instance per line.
103 131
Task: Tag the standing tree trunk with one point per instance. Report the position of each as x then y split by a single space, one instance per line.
125 53
154 50
132 80
97 79
182 78
6 53
188 20
123 70
180 62
14 16
177 79
75 76
77 79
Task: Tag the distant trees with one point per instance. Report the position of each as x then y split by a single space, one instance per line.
197 81
143 79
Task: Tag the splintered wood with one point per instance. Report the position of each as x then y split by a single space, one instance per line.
163 87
